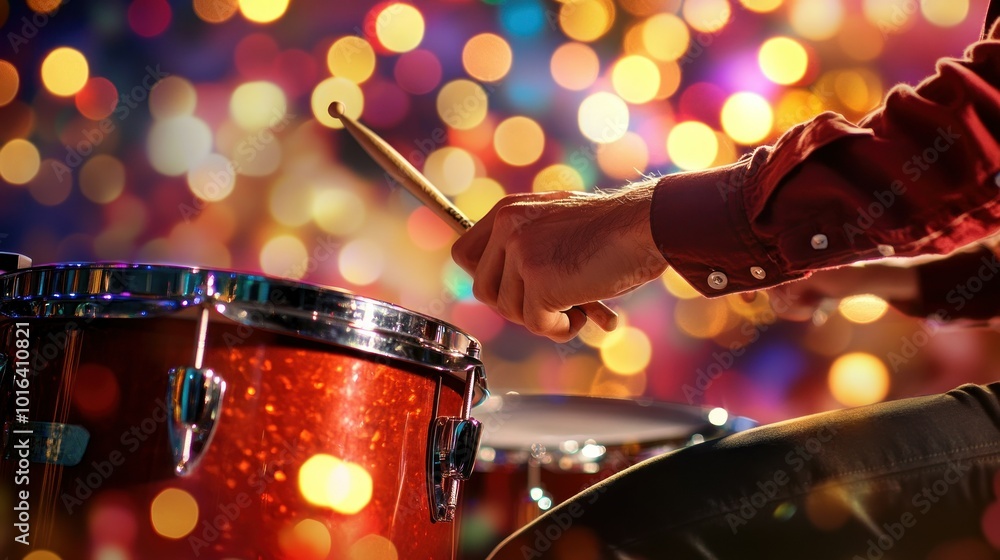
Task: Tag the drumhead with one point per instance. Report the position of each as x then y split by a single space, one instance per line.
120 290
517 426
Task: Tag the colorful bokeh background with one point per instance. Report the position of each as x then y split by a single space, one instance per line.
196 134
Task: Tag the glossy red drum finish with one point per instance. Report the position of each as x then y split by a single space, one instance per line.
287 400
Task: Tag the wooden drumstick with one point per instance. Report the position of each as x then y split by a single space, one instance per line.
403 172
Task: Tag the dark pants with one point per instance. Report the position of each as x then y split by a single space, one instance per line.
908 479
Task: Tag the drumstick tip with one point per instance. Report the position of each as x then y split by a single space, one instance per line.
337 110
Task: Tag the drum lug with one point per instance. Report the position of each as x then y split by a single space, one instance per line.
451 452
195 403
453 447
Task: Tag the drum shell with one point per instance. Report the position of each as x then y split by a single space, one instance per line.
287 400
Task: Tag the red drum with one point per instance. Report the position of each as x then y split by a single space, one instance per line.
539 450
155 412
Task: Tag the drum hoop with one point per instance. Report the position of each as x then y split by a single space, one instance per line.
330 315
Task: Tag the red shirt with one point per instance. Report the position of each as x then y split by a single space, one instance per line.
919 175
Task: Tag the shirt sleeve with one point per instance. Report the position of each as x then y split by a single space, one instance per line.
919 175
964 285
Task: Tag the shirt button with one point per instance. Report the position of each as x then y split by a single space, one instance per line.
758 272
996 179
886 250
718 280
819 241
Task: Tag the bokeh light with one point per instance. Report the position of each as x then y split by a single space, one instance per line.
361 261
263 11
818 20
284 256
747 118
487 57
336 89
863 308
311 539
19 161
325 480
351 57
692 145
418 71
65 71
53 183
636 79
586 20
945 13
761 6
177 144
174 513
450 169
338 211
216 11
102 178
890 16
258 105
400 27
98 99
9 82
428 231
783 60
677 285
213 178
373 547
861 40
702 318
462 104
858 379
44 6
41 555
603 117
625 158
558 177
519 141
665 37
289 202
149 18
173 96
707 15
626 351
480 197
575 66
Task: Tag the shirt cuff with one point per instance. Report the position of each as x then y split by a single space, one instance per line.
699 225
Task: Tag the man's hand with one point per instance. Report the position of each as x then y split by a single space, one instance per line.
535 256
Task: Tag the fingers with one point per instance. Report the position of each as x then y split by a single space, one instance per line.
510 297
469 248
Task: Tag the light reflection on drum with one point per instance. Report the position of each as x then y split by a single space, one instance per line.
180 413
